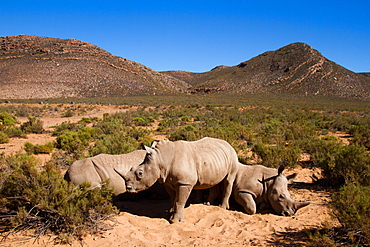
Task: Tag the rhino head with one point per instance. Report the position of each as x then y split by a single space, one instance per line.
142 177
280 199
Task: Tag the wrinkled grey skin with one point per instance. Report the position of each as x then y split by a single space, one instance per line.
103 167
183 166
260 185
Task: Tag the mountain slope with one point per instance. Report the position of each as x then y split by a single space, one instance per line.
295 68
38 67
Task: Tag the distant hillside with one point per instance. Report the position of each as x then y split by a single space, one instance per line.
38 67
296 68
366 74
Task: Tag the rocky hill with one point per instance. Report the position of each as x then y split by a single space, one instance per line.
296 68
40 67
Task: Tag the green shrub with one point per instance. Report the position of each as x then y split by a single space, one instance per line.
361 135
168 123
33 125
273 156
185 119
7 119
39 149
68 113
96 119
339 162
15 131
352 163
67 126
297 131
352 207
86 120
63 159
4 138
146 140
73 142
114 144
25 111
186 133
110 127
136 133
122 118
87 133
322 237
29 148
44 201
141 121
321 149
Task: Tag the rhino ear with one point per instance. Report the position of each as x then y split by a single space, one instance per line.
281 169
148 149
292 176
154 143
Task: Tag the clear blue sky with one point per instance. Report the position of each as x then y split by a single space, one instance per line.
197 35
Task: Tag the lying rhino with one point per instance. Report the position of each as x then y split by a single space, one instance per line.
259 185
103 167
182 166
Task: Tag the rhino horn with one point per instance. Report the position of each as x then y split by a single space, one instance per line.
299 205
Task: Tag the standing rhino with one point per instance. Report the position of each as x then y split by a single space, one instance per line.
260 185
182 166
103 167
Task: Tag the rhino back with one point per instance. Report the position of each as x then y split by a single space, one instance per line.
205 162
106 164
249 178
102 167
81 171
218 160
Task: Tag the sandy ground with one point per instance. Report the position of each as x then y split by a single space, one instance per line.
144 222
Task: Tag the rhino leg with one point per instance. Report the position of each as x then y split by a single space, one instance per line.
214 193
182 194
247 201
228 187
172 194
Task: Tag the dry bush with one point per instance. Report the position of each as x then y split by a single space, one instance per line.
45 202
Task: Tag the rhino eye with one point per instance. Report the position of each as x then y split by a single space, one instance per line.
139 174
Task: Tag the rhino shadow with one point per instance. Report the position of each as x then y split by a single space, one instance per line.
152 208
149 204
290 238
317 186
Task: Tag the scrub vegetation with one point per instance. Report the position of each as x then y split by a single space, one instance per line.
267 130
